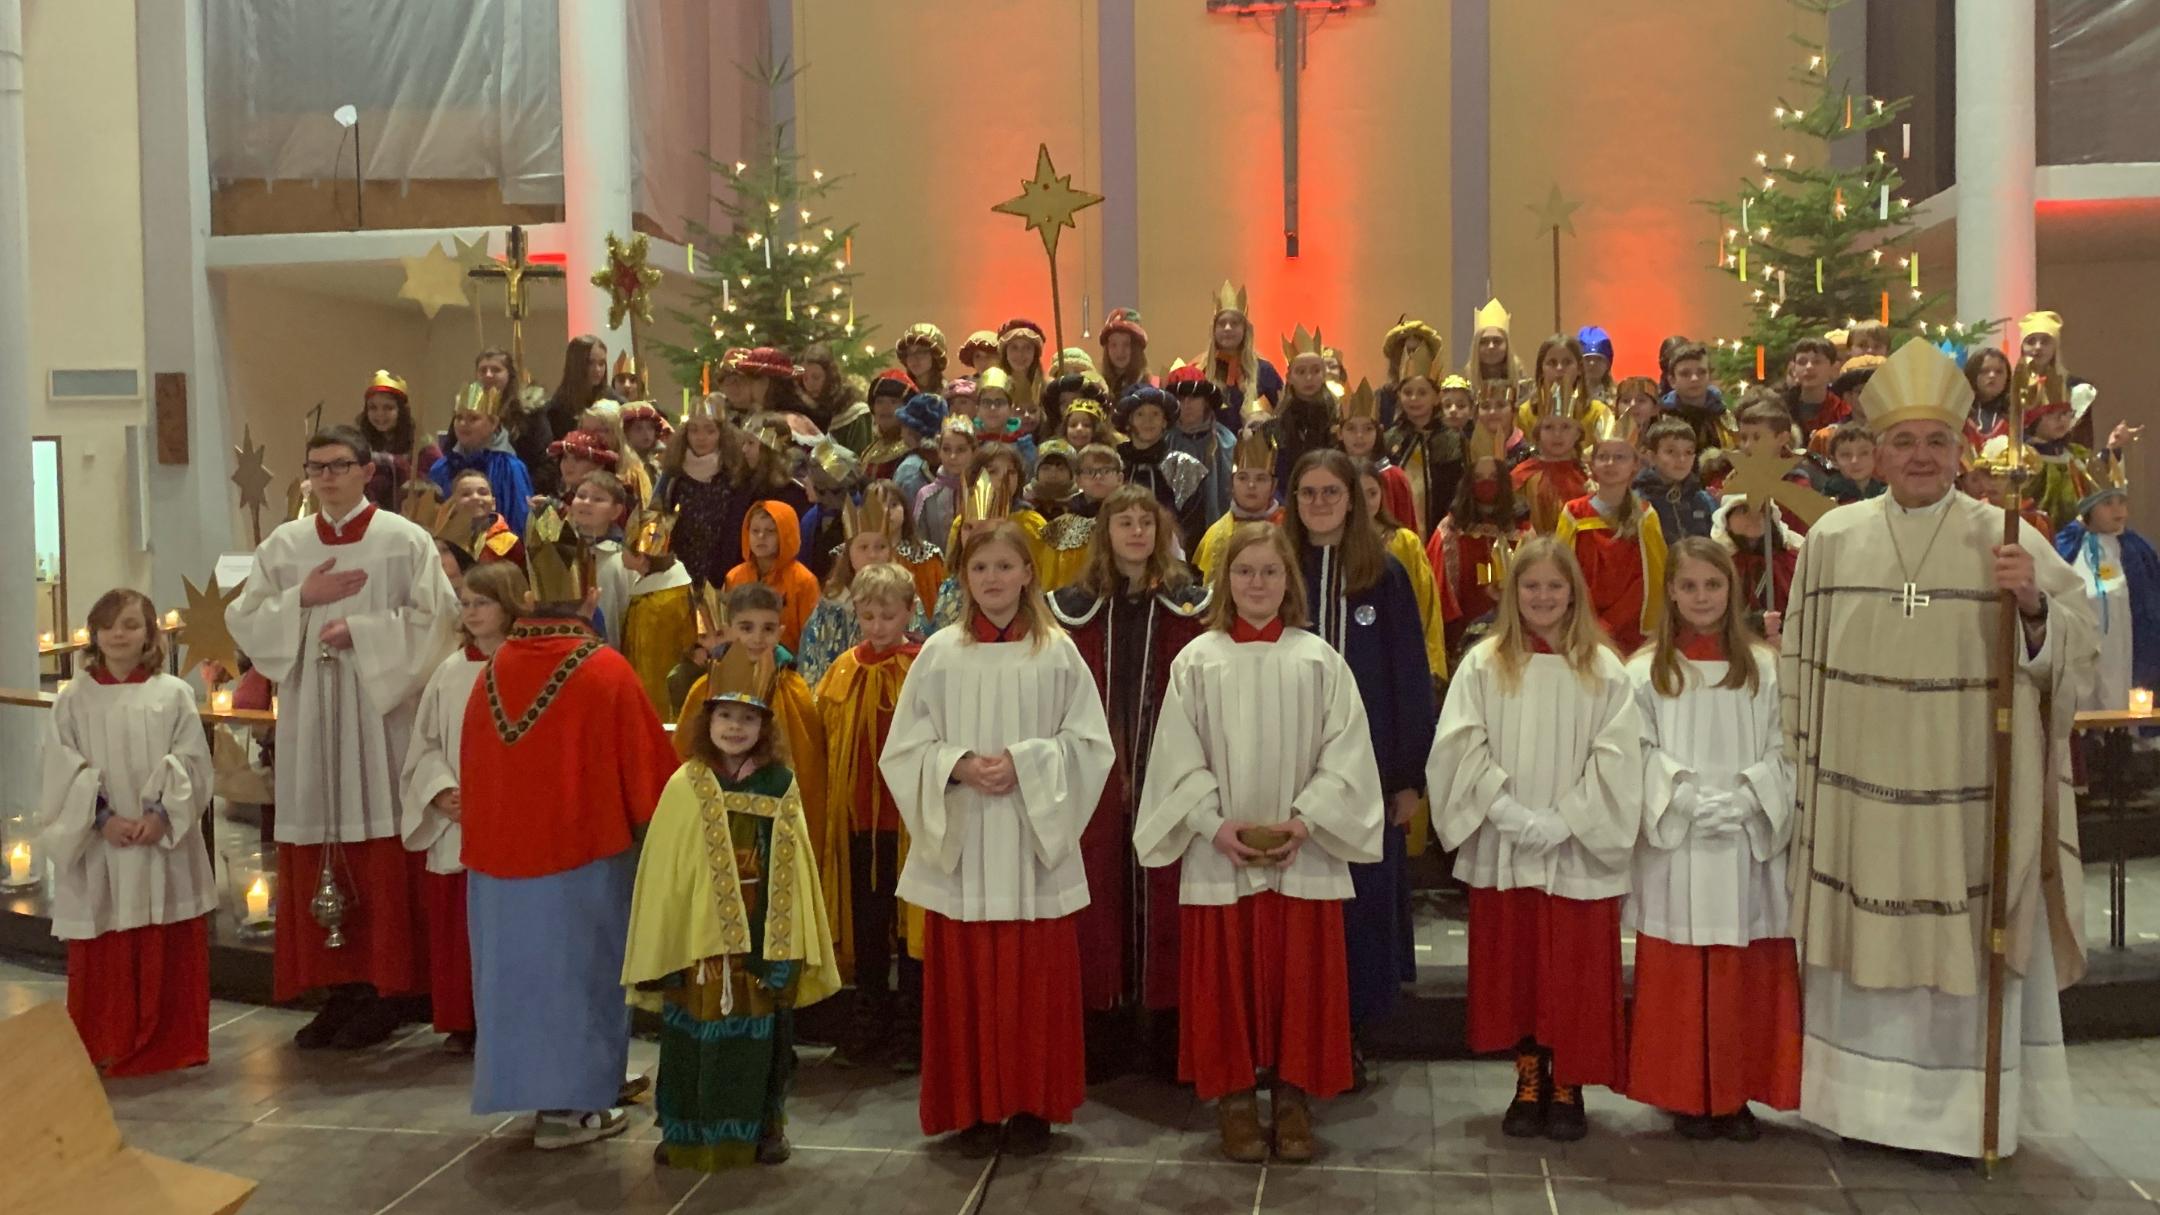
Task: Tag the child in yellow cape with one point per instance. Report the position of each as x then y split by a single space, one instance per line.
728 934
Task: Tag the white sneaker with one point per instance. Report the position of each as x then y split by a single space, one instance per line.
553 1132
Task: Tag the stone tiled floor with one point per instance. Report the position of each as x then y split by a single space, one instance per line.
387 1131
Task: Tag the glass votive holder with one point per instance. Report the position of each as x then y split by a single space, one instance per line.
2141 700
22 861
250 891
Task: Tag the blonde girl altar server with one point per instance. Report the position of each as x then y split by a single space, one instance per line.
1536 778
1264 789
1717 983
998 752
492 598
126 781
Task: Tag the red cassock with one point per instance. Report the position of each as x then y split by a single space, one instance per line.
1248 1007
1748 564
140 998
1129 929
450 952
1613 568
1001 1022
1548 968
1715 1026
385 930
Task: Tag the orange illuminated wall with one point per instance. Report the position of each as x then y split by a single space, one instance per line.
1635 110
1374 208
934 111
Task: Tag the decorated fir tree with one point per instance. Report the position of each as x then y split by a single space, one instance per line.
1818 248
781 275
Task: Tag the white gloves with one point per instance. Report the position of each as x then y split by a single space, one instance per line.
1720 813
1534 831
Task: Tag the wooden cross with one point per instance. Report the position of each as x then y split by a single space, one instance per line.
513 271
1290 35
1910 598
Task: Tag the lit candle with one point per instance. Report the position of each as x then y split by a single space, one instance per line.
44 641
273 707
2141 700
258 899
221 700
172 619
18 864
82 636
1882 209
1906 154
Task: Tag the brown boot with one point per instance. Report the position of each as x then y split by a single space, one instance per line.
1293 1125
1238 1117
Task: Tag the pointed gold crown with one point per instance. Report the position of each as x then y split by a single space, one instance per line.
987 499
872 514
558 560
1230 299
1301 342
418 499
737 678
454 528
711 406
1361 403
1255 452
708 609
627 364
1917 383
651 532
1491 316
837 461
1418 360
1613 425
480 399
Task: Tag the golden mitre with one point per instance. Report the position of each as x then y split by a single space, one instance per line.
1230 299
557 560
1918 383
1300 342
987 499
737 678
1491 316
1361 404
1255 452
651 532
480 399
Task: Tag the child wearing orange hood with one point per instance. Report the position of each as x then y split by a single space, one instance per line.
771 540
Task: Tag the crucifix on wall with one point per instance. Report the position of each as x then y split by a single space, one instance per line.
1291 34
513 270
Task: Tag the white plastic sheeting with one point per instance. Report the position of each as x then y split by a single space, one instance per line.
469 90
2101 82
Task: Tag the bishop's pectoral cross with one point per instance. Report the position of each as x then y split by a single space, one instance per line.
513 271
1290 35
1910 598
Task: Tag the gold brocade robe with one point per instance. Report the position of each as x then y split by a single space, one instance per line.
796 715
1887 719
850 699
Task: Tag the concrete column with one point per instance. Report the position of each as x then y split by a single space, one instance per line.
192 505
1119 139
18 589
1995 158
1470 168
594 36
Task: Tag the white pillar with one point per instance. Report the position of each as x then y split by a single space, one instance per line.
18 588
594 37
1995 159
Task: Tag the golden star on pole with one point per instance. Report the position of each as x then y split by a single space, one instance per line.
207 639
1556 213
1048 202
627 279
434 280
471 255
1761 478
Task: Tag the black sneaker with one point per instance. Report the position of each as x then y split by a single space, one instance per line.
322 1031
372 1025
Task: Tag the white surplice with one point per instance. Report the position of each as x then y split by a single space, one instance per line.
401 624
1554 742
431 761
1259 731
1729 890
140 744
1016 856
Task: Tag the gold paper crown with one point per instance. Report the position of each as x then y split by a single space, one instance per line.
1457 382
456 529
1418 360
872 514
1300 342
987 499
837 461
1491 316
1611 425
1917 383
993 377
1361 404
708 609
1230 299
1255 452
383 381
480 399
652 532
737 678
711 407
626 364
557 559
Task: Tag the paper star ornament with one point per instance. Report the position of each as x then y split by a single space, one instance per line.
434 280
1556 213
1048 202
627 280
252 476
207 639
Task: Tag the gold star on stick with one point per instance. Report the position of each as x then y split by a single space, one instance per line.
434 280
1761 478
1556 213
471 255
627 280
207 639
1048 202
253 478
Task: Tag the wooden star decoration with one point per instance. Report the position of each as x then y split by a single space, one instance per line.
627 279
471 255
207 639
1556 213
252 476
1048 202
435 281
1761 478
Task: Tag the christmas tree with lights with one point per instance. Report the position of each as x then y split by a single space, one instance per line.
781 274
1815 247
